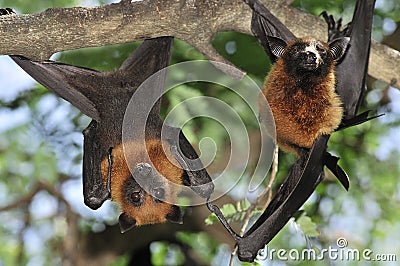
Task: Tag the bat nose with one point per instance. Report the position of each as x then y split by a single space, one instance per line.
311 57
144 169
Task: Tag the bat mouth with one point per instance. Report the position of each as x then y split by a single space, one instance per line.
310 66
311 60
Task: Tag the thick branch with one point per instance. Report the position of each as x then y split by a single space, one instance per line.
40 35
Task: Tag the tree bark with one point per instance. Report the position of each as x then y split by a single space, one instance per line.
38 36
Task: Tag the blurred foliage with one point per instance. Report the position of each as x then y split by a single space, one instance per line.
206 247
46 144
164 253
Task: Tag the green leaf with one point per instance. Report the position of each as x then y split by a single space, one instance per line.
243 205
211 219
228 211
308 227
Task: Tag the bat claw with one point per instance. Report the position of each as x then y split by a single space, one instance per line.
357 120
6 11
334 27
331 162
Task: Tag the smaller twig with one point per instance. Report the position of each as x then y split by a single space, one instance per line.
21 242
40 185
233 254
274 172
71 238
70 246
23 200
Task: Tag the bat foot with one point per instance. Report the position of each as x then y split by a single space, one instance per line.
335 27
6 11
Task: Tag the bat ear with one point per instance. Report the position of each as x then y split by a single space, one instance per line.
126 223
175 215
338 47
277 45
74 84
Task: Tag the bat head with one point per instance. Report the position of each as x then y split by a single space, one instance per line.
307 56
144 194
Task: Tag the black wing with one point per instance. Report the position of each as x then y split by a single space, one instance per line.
351 87
72 83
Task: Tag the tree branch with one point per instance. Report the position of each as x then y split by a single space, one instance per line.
38 36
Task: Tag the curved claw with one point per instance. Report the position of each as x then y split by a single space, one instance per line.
356 120
331 162
6 11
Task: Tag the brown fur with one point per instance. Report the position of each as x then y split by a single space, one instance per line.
301 117
151 211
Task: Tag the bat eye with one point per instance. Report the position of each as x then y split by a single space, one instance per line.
159 193
136 198
296 50
321 50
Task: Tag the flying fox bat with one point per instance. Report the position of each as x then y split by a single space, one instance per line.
300 90
307 171
106 173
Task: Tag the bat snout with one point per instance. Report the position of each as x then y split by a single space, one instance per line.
310 61
311 58
144 169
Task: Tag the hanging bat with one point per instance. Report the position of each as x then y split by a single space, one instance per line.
106 173
300 90
307 171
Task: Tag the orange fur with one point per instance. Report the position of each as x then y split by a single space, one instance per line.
301 117
151 211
